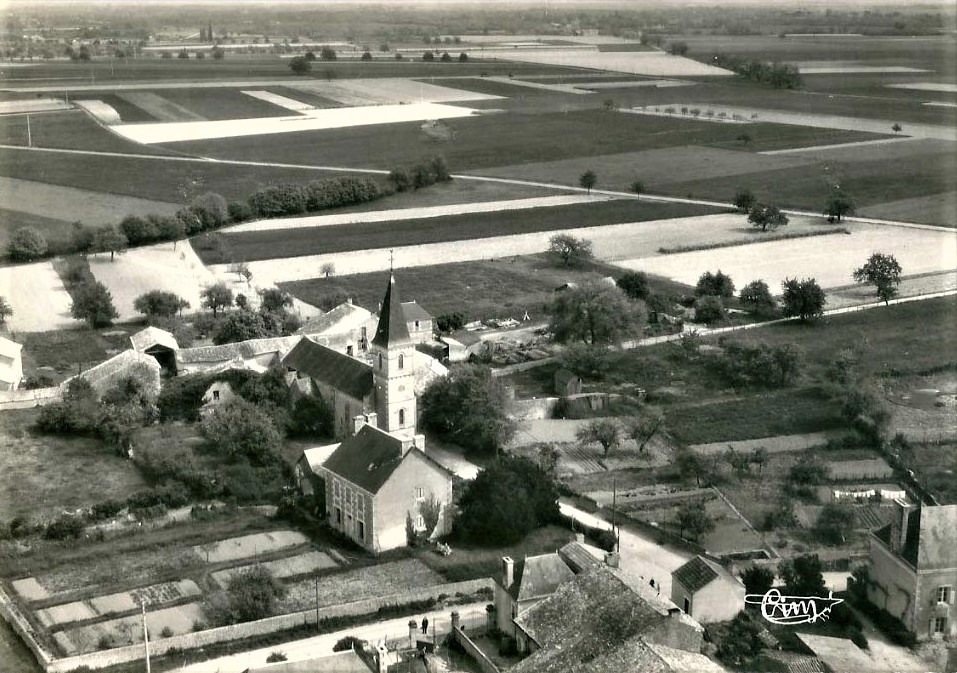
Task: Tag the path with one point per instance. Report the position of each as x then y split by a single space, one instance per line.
318 646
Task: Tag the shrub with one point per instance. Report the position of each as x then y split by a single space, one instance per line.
64 528
239 211
346 643
26 244
709 309
278 656
167 632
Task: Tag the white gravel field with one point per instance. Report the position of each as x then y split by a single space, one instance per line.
926 86
35 292
387 91
632 62
281 101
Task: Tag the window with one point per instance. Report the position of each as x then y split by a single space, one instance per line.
401 417
339 515
944 594
362 530
401 361
216 395
687 606
417 324
380 360
939 625
349 351
419 493
419 522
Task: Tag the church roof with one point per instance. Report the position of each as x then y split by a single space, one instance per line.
392 330
338 370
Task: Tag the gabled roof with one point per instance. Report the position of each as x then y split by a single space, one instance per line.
338 370
9 349
696 574
579 556
464 337
342 319
392 330
539 576
107 372
412 311
242 350
367 459
153 336
317 456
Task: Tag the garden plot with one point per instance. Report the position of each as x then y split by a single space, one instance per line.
36 294
294 566
70 204
932 209
355 585
246 546
281 101
33 105
29 589
410 213
313 121
387 91
926 86
129 630
154 267
632 62
161 108
917 250
100 111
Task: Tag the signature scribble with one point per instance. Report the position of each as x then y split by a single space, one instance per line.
779 609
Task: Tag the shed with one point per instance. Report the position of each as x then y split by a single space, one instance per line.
461 345
567 383
159 343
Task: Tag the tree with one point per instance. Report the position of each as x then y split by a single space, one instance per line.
5 310
159 304
218 53
766 217
327 54
587 361
838 205
741 641
883 272
637 187
744 200
469 407
760 458
634 284
572 251
347 643
328 270
603 431
745 139
678 48
803 299
715 285
137 230
300 65
250 595
108 239
26 244
834 523
506 501
428 56
216 297
588 179
645 426
693 518
211 209
93 303
690 464
593 313
366 56
446 58
240 429
709 309
756 298
463 57
274 300
897 128
758 580
239 326
802 576
864 410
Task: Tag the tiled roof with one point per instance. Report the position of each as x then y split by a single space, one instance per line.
343 318
108 372
775 661
392 329
367 459
153 336
539 576
580 556
338 370
464 337
412 311
241 350
695 574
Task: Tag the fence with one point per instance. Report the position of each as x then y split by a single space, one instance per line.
187 641
27 399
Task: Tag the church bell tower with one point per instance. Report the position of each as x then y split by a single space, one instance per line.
393 367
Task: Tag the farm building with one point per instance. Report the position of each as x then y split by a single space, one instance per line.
159 343
913 569
254 354
219 392
706 591
127 363
461 345
418 321
375 481
533 579
346 328
567 383
568 631
11 364
309 467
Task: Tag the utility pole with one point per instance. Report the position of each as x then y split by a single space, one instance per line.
29 135
146 637
317 604
614 512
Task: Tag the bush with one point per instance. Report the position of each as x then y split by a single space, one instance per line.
346 643
745 365
249 595
275 657
709 309
239 211
167 632
64 528
26 244
714 284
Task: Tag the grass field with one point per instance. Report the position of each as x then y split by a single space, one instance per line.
44 475
66 351
51 229
264 245
216 104
69 130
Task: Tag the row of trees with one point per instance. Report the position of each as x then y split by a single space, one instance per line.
777 75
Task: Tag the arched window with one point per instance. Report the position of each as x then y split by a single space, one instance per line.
401 361
401 417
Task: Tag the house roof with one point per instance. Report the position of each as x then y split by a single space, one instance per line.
937 544
339 662
683 661
412 311
242 350
463 337
777 661
392 329
317 456
842 656
367 459
580 556
343 318
9 349
595 623
342 372
538 576
153 336
696 574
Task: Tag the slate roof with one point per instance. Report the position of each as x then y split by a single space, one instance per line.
580 556
538 576
842 656
241 350
343 318
153 336
338 370
367 459
464 337
392 329
696 574
412 311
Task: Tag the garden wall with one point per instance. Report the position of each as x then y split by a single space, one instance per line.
532 410
188 641
458 634
27 399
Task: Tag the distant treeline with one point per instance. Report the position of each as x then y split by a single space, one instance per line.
777 75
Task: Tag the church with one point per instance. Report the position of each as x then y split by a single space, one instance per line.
380 484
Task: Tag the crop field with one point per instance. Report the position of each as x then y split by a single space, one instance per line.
263 245
13 219
44 475
68 130
220 103
307 563
154 267
37 297
129 630
933 209
632 62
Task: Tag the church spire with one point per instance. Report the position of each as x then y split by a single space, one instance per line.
392 330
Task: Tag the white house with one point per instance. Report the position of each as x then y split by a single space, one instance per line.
11 364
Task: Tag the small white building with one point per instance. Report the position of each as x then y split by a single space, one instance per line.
706 591
219 392
11 364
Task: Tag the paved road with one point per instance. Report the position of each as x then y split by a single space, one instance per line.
318 646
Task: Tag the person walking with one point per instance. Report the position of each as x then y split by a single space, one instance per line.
425 625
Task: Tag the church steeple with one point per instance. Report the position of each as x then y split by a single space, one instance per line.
392 330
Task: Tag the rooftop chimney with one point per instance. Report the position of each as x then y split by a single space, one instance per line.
508 572
372 419
612 559
580 537
357 423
